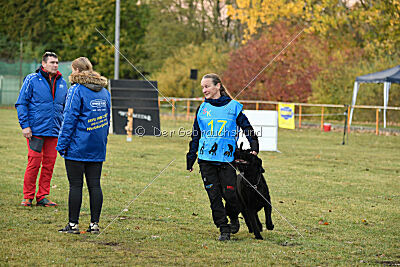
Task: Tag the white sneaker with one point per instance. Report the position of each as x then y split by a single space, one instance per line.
93 228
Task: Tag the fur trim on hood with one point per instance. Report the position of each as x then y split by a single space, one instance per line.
89 79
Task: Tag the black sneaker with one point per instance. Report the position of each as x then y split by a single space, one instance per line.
235 226
71 228
93 228
224 237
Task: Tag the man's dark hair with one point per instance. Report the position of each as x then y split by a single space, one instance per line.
46 55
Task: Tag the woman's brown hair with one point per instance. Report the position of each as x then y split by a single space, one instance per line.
216 79
82 64
85 73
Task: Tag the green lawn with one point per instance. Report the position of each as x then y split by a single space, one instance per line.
354 188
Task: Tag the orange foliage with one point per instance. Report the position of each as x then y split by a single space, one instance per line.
288 77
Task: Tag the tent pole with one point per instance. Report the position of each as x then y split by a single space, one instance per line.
386 88
353 101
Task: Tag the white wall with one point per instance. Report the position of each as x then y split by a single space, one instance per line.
265 124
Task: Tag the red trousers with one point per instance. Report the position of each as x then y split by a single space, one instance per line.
46 158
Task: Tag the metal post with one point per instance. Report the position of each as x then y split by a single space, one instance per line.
377 122
20 63
187 109
348 120
322 118
116 53
129 125
299 116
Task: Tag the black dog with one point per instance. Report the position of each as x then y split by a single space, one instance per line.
249 181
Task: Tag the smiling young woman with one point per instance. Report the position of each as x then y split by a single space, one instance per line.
215 129
213 87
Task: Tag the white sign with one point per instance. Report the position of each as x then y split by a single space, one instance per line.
265 125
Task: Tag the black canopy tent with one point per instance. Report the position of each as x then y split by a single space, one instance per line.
387 77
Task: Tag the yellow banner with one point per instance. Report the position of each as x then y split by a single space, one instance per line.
286 116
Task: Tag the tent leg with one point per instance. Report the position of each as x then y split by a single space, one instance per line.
386 88
353 101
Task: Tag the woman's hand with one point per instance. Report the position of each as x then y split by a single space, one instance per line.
190 170
254 153
27 133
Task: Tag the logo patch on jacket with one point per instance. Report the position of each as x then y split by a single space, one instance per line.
207 112
98 103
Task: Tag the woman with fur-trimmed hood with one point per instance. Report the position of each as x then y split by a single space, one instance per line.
83 138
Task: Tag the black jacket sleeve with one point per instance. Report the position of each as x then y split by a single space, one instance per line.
191 156
248 130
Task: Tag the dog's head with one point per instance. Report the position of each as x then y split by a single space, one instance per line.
247 162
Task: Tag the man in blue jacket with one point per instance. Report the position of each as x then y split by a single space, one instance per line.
40 108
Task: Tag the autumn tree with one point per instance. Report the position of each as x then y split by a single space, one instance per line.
177 23
373 25
255 14
68 27
22 21
89 23
383 20
287 78
173 78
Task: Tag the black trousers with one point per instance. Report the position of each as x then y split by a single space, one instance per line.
220 183
92 171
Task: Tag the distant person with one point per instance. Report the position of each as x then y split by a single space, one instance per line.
214 140
83 139
40 108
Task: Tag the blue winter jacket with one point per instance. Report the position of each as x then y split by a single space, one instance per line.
36 107
83 134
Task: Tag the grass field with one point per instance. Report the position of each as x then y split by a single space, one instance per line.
344 200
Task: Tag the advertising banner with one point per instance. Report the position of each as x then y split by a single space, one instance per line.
286 116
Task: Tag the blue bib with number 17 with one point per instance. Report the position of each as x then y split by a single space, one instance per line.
218 131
